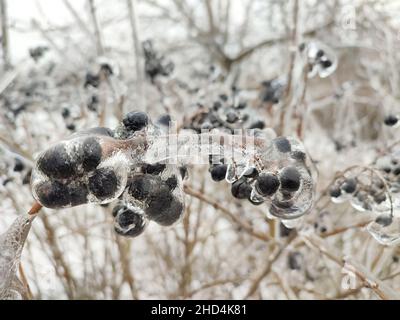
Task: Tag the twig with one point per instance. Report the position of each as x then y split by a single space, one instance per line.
268 267
381 289
217 205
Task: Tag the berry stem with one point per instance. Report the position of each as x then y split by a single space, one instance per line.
36 207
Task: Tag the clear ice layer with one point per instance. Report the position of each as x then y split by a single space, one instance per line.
375 190
98 165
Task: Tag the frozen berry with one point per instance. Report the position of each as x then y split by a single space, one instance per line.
257 125
390 120
91 157
217 105
326 63
218 172
290 179
92 80
141 187
231 117
164 120
384 220
386 169
320 53
78 194
18 165
56 163
172 182
282 144
93 103
295 260
350 185
156 168
168 214
103 183
267 184
130 222
241 189
335 192
135 120
71 126
65 113
52 194
241 105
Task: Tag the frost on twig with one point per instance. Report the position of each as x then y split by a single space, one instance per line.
11 244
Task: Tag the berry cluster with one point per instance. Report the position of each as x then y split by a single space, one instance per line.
226 112
320 59
374 190
101 165
104 69
278 176
155 64
272 90
391 120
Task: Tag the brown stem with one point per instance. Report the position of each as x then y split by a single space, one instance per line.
35 208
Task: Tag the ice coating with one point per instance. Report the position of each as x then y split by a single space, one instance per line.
374 190
83 168
11 244
139 163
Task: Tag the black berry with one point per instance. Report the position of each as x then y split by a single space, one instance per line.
141 187
18 165
103 183
164 120
295 260
56 163
135 120
350 185
231 117
267 184
53 194
168 214
390 120
129 222
172 182
290 179
156 168
241 189
218 172
326 63
78 194
298 155
91 151
335 192
282 144
257 125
